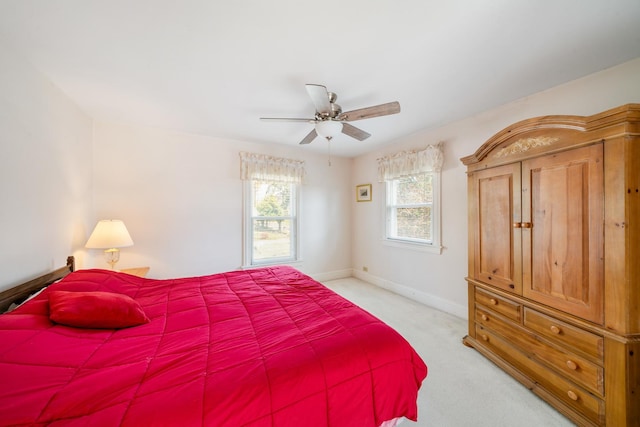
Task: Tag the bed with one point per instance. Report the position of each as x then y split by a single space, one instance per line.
262 347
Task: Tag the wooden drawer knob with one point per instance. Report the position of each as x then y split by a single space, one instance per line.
493 301
572 365
555 329
572 395
484 317
484 337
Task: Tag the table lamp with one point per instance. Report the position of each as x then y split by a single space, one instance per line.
110 235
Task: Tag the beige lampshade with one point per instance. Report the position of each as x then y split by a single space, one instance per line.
109 233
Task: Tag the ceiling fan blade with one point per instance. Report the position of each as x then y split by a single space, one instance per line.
369 112
320 98
286 119
310 137
354 132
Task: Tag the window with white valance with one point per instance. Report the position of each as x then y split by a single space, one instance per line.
407 163
412 208
271 220
268 168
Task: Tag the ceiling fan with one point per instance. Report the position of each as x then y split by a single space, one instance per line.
329 119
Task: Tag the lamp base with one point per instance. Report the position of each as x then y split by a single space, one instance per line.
112 256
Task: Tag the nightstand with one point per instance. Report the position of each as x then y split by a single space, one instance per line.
137 271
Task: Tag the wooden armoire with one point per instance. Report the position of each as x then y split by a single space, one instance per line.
554 260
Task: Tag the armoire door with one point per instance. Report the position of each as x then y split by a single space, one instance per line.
562 231
497 245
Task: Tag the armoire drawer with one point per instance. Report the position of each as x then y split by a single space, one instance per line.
493 321
565 334
574 367
565 390
501 305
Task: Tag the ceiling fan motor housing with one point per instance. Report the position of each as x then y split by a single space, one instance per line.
335 110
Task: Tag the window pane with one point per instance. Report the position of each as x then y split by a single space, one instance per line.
414 190
272 199
271 222
271 238
414 223
411 216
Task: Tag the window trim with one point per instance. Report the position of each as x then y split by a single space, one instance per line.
407 243
247 229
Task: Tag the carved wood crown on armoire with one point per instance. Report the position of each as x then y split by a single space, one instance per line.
554 260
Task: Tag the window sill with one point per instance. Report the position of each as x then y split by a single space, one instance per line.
420 247
271 264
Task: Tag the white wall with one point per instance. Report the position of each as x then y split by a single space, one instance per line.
45 173
180 196
438 280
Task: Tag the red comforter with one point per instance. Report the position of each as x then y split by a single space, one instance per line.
265 347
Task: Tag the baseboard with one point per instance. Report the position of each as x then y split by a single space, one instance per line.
414 294
332 275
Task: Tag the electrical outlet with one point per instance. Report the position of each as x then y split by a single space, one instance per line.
365 269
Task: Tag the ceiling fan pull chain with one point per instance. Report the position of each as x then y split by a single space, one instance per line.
329 149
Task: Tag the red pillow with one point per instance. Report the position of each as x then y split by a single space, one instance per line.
100 310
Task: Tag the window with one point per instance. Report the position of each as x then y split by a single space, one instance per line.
271 195
412 210
272 231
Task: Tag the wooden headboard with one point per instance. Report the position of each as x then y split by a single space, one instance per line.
21 292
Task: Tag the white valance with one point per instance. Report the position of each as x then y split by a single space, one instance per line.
268 168
405 163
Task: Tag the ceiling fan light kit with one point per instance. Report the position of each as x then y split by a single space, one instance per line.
328 128
329 120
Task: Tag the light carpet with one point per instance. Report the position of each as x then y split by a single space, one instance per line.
462 387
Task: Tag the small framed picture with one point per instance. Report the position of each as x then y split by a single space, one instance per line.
363 193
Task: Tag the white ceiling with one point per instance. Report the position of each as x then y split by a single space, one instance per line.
214 67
